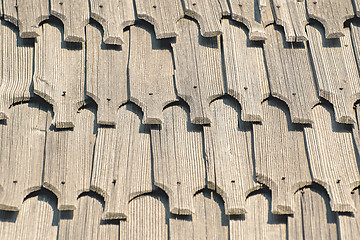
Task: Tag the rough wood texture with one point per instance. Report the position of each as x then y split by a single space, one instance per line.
357 7
280 156
179 165
122 162
16 63
74 15
259 222
114 16
331 151
161 14
331 14
106 75
150 73
59 74
290 74
208 14
246 78
229 156
86 223
198 75
68 159
349 224
209 221
338 83
291 14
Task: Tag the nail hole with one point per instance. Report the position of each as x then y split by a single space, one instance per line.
61 3
101 6
195 86
194 4
154 6
314 2
178 183
352 192
232 181
245 88
62 182
346 45
15 181
240 5
283 178
294 94
338 181
108 99
114 181
341 89
63 93
151 94
278 6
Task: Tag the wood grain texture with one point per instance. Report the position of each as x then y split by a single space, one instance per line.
331 150
16 63
150 73
229 155
74 15
68 159
209 221
10 11
290 74
281 160
246 78
357 7
114 16
161 14
259 222
331 14
122 162
349 224
198 75
106 75
59 76
178 165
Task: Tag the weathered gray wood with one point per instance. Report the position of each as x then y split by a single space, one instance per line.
114 16
106 75
21 161
122 162
10 11
331 152
208 14
59 74
162 14
246 78
86 223
229 156
338 83
74 15
291 14
331 14
290 74
198 76
16 63
259 222
68 159
150 73
349 224
178 165
280 156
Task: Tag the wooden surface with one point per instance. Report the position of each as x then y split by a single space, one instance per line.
349 224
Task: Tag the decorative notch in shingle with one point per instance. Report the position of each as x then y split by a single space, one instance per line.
338 83
198 76
26 14
281 160
290 74
331 14
114 16
150 73
59 74
106 75
162 14
246 80
74 15
179 164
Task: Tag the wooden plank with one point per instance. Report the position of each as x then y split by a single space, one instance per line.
150 73
338 83
198 76
68 159
290 74
291 15
331 150
281 160
229 155
178 165
259 222
59 74
106 75
114 16
357 7
74 15
16 63
122 162
161 14
349 224
245 80
86 223
331 14
10 11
